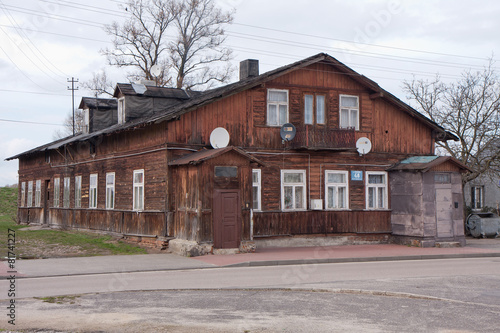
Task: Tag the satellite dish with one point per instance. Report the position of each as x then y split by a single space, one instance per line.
219 138
155 70
363 145
288 132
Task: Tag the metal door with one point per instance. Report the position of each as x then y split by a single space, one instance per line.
227 219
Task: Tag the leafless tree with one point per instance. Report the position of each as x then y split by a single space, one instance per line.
199 44
99 85
468 108
183 38
67 130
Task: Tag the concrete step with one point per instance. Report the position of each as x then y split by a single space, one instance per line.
447 244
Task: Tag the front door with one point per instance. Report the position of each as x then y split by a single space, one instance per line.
444 213
227 219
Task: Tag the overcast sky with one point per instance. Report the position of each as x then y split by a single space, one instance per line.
43 43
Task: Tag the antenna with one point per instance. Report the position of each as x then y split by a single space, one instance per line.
219 138
363 145
287 132
155 70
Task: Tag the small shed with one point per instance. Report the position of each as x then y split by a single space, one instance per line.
427 201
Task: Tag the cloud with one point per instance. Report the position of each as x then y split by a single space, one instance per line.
8 170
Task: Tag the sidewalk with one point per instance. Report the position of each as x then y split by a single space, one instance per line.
262 257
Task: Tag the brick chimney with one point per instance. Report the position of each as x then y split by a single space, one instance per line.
249 68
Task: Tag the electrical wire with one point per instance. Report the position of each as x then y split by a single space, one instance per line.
29 122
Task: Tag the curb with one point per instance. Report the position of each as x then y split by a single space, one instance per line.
359 259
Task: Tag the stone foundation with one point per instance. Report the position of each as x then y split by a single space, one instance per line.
311 240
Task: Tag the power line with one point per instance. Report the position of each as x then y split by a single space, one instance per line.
29 122
360 43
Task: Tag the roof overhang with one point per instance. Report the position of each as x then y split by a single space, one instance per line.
207 154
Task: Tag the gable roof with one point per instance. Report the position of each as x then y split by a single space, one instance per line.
425 163
98 103
206 154
188 102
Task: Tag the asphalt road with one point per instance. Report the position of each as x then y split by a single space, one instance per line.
458 295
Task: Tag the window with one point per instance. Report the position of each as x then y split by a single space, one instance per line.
227 172
38 193
138 190
442 178
67 186
78 191
256 189
336 189
93 191
57 191
277 107
349 112
477 197
30 194
376 190
23 193
86 117
311 104
293 189
110 190
121 110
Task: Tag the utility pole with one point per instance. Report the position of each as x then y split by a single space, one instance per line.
73 99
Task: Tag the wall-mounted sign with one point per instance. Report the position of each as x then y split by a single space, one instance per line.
357 175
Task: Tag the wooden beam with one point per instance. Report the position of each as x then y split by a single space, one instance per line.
377 95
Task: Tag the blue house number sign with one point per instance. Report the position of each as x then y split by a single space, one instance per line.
357 175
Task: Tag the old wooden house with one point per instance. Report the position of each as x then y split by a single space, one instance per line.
154 173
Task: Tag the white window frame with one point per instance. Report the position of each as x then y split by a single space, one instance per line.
294 188
280 122
110 191
257 186
93 191
336 187
29 202
23 193
57 191
138 203
121 110
349 111
383 186
38 193
475 190
86 117
66 192
78 191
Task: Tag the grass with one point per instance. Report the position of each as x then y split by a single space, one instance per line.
47 243
58 299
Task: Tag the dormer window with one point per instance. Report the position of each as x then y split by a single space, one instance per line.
86 119
121 110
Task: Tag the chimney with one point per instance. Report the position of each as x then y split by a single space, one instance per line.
249 68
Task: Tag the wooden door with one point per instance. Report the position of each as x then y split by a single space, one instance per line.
444 213
227 219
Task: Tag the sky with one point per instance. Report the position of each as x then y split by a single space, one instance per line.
46 43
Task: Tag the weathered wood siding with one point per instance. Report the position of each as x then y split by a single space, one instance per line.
320 222
193 195
390 129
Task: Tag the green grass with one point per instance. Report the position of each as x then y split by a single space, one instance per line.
90 244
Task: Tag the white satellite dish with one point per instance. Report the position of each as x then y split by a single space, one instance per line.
155 70
219 138
363 145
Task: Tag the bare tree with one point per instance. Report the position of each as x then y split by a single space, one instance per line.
99 85
68 125
468 108
199 44
183 38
